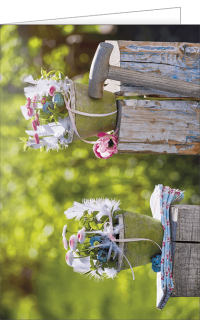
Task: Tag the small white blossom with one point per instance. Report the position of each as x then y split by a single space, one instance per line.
73 242
81 235
70 258
65 244
64 230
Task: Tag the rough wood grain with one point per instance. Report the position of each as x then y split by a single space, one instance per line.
185 223
159 126
185 229
186 270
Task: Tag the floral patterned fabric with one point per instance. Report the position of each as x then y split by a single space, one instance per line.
160 201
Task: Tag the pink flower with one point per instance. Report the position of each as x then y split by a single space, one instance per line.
69 258
34 125
81 235
65 244
73 242
52 90
30 111
36 138
106 146
37 119
43 100
34 99
28 102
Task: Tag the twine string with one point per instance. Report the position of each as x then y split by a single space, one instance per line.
70 111
113 239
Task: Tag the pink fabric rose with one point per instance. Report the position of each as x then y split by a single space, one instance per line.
52 90
73 242
36 138
65 244
106 146
43 100
34 125
30 111
81 235
70 258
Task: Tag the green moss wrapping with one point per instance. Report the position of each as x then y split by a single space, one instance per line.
91 126
140 226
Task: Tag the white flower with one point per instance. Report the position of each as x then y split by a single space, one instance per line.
64 230
81 235
70 258
65 244
73 242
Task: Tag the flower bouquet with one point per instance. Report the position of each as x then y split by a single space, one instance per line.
61 112
108 238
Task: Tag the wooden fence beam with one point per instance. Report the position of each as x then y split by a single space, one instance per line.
157 126
185 234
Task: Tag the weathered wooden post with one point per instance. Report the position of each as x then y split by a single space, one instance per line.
156 126
185 229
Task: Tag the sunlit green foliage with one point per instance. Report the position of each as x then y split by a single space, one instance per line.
37 187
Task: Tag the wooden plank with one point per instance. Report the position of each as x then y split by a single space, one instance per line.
185 234
159 126
186 270
159 148
185 223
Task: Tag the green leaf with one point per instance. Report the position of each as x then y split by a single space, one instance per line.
99 274
50 73
92 268
117 212
93 255
94 213
25 147
79 246
23 139
92 263
104 218
94 225
43 73
100 226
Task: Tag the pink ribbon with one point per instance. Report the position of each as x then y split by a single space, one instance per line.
83 114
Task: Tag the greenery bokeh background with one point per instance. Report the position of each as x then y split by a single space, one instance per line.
36 188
